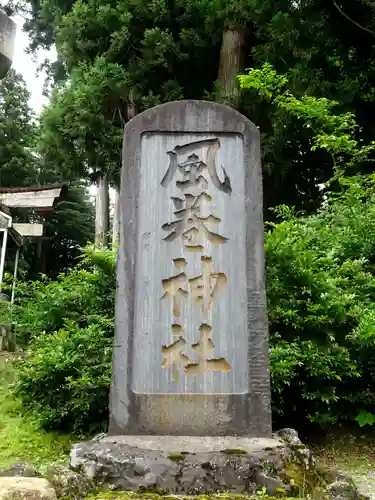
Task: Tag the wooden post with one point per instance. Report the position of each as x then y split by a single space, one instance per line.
15 274
2 257
102 204
116 219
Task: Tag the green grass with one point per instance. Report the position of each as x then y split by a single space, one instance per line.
21 440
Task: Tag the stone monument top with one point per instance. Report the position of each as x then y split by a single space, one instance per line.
191 342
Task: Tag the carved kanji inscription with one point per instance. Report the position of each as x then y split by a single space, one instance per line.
204 288
196 164
191 225
174 357
187 160
204 351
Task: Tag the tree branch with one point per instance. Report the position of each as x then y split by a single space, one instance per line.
352 20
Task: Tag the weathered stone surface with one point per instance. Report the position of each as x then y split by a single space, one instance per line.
69 484
26 488
343 490
191 343
20 469
7 41
291 437
193 465
185 465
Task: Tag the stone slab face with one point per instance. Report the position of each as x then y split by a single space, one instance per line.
7 41
191 343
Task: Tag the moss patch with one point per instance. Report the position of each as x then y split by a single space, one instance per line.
304 482
176 458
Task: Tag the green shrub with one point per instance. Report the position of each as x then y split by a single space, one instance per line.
67 326
321 304
65 377
45 306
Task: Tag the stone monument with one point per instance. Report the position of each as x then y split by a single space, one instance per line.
191 342
190 398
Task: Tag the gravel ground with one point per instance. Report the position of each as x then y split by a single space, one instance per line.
365 481
354 454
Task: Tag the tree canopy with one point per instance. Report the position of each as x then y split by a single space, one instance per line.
135 53
18 164
22 164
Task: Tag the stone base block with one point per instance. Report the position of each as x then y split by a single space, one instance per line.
199 465
187 465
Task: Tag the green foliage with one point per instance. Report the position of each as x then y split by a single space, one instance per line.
79 296
335 133
5 312
17 133
365 418
21 439
321 291
68 325
68 228
321 275
83 113
66 376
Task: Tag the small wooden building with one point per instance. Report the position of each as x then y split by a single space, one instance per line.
12 202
